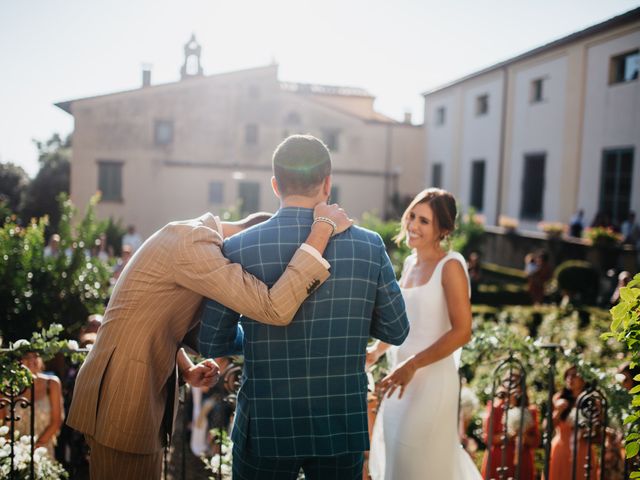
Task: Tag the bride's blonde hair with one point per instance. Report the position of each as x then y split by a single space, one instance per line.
444 209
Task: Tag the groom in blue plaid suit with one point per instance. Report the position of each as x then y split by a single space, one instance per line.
302 403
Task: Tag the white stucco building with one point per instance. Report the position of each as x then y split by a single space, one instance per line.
546 133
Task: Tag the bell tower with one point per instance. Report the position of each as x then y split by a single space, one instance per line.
191 66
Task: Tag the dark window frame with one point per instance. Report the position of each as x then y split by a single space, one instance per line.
619 212
441 115
437 174
482 105
110 180
158 135
477 187
533 208
216 192
537 90
618 67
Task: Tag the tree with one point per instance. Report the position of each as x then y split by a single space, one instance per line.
36 290
13 183
52 179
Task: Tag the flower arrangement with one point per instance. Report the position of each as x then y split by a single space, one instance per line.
220 462
508 223
553 229
603 236
45 467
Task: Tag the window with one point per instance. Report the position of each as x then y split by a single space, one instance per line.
110 180
335 194
477 184
216 192
163 132
251 134
249 193
532 187
292 118
482 105
441 114
615 183
331 139
436 175
625 67
537 90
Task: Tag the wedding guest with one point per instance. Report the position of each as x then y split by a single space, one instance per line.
48 409
630 230
561 457
512 407
132 239
53 246
539 277
576 224
127 251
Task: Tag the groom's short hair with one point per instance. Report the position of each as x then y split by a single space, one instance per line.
300 164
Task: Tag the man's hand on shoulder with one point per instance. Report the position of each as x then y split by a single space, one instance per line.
204 374
334 213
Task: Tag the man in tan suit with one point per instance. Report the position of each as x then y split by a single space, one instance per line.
126 391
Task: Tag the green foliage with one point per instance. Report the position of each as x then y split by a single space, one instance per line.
13 183
468 234
602 236
579 280
52 179
37 290
625 328
115 231
387 230
522 331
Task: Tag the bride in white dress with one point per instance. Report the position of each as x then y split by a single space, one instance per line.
415 436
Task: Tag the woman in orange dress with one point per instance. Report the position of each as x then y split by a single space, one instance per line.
561 459
530 437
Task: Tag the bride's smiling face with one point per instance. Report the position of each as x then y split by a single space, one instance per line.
422 230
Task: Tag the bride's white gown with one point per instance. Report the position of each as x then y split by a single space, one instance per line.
416 437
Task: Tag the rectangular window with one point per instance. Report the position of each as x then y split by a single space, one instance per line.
537 90
441 114
532 186
335 194
249 193
477 184
624 67
615 183
251 134
163 132
482 105
436 175
110 180
331 138
216 192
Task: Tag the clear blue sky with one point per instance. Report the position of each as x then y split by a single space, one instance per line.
52 50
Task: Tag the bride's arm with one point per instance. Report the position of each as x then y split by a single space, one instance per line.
456 291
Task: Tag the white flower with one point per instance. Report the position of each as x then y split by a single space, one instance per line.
468 402
21 343
515 415
4 430
72 345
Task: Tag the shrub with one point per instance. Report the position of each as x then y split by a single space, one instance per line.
578 280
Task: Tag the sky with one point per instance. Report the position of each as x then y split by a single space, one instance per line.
54 50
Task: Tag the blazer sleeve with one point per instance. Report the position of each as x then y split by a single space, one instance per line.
201 267
389 322
220 333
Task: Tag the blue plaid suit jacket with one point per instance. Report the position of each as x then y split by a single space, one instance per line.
304 386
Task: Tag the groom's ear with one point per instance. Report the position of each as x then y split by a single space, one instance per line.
274 186
326 186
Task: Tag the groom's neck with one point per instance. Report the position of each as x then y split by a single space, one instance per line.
299 201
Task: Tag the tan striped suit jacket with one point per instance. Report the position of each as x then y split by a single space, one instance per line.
125 393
